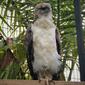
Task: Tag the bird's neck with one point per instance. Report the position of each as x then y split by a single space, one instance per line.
49 17
44 23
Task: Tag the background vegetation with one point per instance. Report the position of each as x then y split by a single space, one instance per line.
16 16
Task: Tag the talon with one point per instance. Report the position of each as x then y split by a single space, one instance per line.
39 81
51 82
46 81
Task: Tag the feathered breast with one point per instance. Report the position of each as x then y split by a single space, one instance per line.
44 43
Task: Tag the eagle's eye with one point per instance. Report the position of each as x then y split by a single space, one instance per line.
45 9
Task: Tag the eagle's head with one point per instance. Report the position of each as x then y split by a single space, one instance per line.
43 9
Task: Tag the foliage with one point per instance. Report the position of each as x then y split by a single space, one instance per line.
17 15
10 72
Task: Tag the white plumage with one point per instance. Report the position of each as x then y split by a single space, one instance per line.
44 43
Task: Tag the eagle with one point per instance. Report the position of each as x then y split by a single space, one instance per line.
42 43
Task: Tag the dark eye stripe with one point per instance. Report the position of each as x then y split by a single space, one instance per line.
43 8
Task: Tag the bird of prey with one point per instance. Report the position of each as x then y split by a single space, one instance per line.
42 43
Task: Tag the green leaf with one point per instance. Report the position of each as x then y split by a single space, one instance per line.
10 72
5 22
2 32
20 52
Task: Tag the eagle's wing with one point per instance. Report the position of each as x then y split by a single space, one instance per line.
56 76
30 51
57 36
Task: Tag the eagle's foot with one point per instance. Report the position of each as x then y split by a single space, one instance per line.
51 82
46 81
